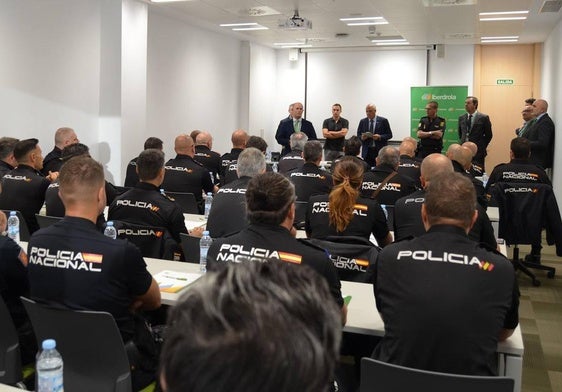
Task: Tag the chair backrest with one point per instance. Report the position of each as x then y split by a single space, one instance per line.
384 377
90 345
45 220
190 246
353 257
152 241
300 214
10 359
24 230
186 202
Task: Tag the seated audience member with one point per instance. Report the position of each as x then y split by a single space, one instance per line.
7 160
184 174
242 324
462 160
228 160
228 213
442 296
132 178
408 165
294 159
520 169
352 148
407 210
345 212
260 144
63 137
13 285
204 154
476 169
194 134
383 183
270 200
144 204
105 274
310 179
23 189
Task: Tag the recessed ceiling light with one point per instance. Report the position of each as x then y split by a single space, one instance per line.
258 27
295 46
391 43
368 23
503 37
503 13
365 21
503 18
393 40
362 18
289 43
167 1
237 24
488 41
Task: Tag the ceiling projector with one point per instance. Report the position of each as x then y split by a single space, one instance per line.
295 23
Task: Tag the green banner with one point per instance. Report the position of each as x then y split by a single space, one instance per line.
451 106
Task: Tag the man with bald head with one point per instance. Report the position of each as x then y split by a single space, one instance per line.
476 169
211 160
409 166
228 161
541 135
462 161
63 137
184 174
293 124
374 132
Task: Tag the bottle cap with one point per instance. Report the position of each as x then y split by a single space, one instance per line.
13 213
49 344
109 223
206 232
209 193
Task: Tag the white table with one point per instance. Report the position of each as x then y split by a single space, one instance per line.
363 318
7 388
194 220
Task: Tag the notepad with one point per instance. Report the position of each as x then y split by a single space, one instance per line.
173 281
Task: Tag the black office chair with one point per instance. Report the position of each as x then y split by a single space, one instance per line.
152 241
377 376
46 221
190 247
300 214
525 209
90 344
186 201
24 231
10 358
353 257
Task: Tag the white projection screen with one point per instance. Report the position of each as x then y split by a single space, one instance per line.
355 78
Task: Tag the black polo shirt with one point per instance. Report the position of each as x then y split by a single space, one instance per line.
429 145
291 161
229 164
368 218
5 168
13 279
131 178
73 264
52 162
259 242
53 202
410 167
310 180
334 126
228 212
210 161
145 205
517 171
397 187
444 300
23 189
184 174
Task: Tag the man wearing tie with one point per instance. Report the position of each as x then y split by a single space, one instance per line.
293 124
477 128
374 132
540 133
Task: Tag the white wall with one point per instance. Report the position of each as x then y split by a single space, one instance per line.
454 69
550 87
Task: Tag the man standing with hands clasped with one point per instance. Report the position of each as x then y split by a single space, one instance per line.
475 127
430 131
374 132
334 130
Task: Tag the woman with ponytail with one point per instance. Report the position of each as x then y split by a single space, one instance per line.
344 212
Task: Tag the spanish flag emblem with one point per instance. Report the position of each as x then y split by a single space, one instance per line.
290 257
92 258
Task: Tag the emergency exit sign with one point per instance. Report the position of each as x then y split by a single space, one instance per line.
504 81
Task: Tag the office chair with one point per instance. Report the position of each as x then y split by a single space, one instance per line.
90 344
46 221
152 241
300 214
24 231
525 209
190 247
377 376
186 202
10 359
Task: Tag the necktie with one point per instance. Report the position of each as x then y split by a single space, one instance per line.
469 122
371 126
527 125
297 125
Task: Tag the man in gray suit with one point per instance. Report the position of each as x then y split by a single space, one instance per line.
475 127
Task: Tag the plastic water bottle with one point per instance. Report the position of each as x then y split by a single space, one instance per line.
383 206
204 245
49 368
110 230
485 179
208 204
275 167
14 227
162 192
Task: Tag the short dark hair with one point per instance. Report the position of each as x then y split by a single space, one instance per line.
474 100
153 142
149 164
253 327
530 101
450 196
520 147
79 177
269 197
257 142
74 150
312 151
352 146
434 104
24 147
7 145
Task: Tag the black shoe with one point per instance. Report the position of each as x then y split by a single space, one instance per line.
531 258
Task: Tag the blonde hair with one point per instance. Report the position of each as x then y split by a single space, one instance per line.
348 176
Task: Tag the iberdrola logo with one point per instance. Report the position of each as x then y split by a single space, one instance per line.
427 96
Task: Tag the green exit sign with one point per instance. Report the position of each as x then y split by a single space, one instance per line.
504 81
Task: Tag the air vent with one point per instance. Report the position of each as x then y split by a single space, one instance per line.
551 6
460 36
259 11
341 35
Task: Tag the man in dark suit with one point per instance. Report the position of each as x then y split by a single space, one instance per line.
541 135
293 124
477 128
374 132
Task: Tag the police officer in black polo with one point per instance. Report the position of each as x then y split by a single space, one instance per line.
7 160
310 179
270 201
441 295
184 174
204 154
430 131
132 178
409 166
144 204
23 189
228 160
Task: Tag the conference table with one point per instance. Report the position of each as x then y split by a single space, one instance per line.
363 318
